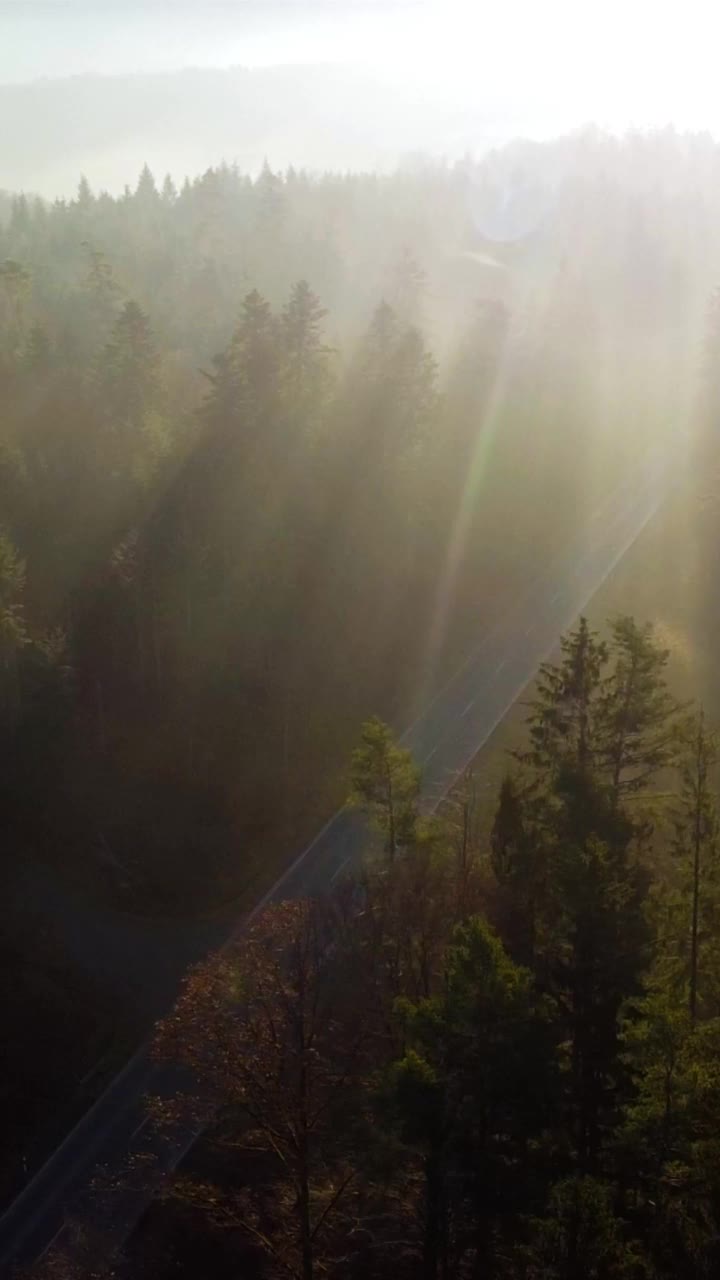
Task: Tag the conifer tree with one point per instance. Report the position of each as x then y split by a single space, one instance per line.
463 1100
697 851
563 717
146 191
15 288
386 783
304 369
637 712
129 369
591 938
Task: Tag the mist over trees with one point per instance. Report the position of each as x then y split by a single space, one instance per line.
243 418
335 117
274 451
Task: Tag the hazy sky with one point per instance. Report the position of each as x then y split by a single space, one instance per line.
617 62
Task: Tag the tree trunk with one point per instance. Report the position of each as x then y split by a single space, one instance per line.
434 1214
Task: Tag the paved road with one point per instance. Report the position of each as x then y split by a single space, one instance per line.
444 738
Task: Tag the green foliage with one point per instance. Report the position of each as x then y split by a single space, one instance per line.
582 1236
462 1099
128 372
563 719
669 1140
657 1039
305 371
696 852
226 573
102 289
386 784
15 285
534 1097
605 709
578 902
638 713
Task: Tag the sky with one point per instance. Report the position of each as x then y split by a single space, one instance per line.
459 76
634 62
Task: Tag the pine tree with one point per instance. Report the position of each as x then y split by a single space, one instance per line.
244 381
508 831
100 283
84 199
304 372
462 1098
563 717
519 860
19 218
129 368
657 1043
386 783
668 1144
605 709
637 712
271 202
146 192
128 389
596 949
591 938
696 850
169 190
15 288
581 1236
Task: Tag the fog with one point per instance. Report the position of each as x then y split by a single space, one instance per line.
359 544
354 85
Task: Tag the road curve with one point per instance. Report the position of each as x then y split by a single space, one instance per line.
444 739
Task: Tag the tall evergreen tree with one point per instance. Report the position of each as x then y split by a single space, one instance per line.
697 852
128 373
563 717
15 288
591 939
304 370
146 191
637 711
386 783
463 1099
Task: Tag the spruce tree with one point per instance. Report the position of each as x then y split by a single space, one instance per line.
563 716
637 711
385 783
697 850
590 936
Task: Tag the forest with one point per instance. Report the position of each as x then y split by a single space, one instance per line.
274 451
470 1059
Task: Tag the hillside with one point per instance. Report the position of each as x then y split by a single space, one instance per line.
183 121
